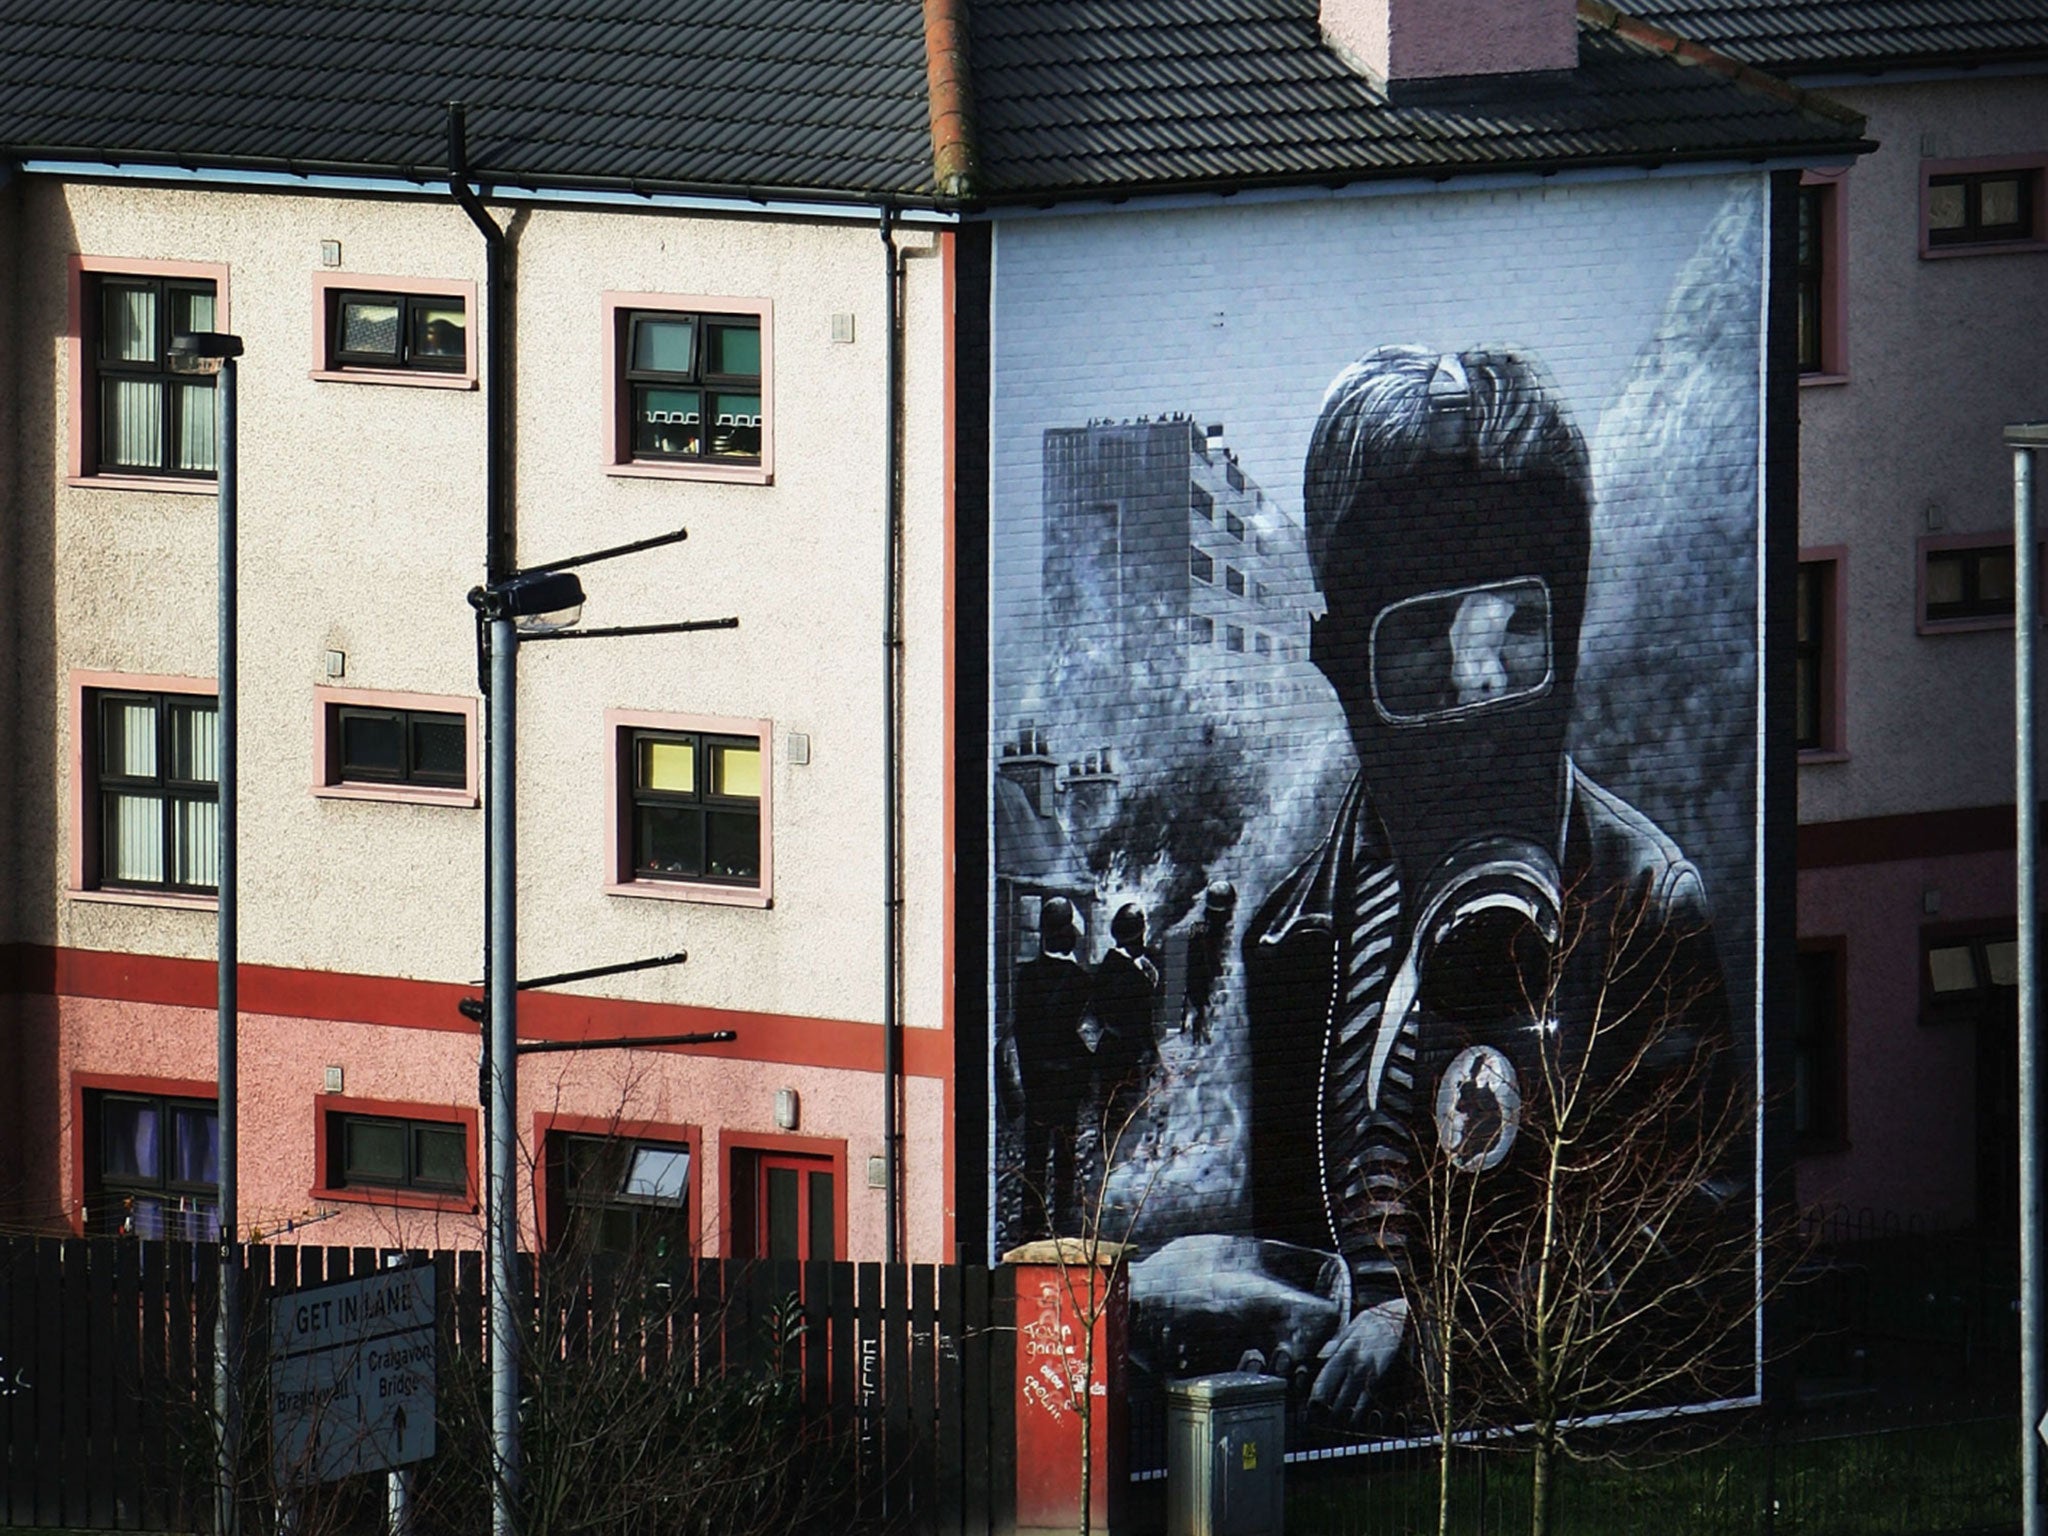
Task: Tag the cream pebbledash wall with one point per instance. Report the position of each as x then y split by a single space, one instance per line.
362 520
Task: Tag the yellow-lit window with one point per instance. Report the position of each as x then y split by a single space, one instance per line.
696 807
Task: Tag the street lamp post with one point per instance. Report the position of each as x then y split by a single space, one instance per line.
215 352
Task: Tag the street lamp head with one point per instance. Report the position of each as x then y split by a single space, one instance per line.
203 351
537 602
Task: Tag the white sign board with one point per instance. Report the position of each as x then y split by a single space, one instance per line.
352 1376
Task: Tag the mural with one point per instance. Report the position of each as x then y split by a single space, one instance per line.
1376 728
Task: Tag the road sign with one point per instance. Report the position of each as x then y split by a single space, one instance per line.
352 1376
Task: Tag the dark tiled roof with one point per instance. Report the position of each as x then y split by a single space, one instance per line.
780 96
1815 35
1130 95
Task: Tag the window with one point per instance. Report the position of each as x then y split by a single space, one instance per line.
1976 209
153 763
1201 566
1203 503
394 326
1232 475
1262 644
1201 630
152 1166
1819 1096
1816 650
692 801
689 386
615 1194
1966 582
1233 638
1233 525
1233 581
149 419
1968 976
389 1152
395 746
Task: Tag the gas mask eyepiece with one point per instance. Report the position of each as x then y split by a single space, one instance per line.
1447 654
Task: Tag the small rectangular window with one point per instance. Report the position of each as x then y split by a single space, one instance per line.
1967 583
1815 638
1262 644
1233 581
1982 207
1201 630
397 331
1233 525
1968 975
388 1152
1819 1094
1201 566
1813 202
616 1194
1203 503
1233 638
401 746
691 386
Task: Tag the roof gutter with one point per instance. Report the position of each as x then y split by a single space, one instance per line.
949 87
683 197
1683 50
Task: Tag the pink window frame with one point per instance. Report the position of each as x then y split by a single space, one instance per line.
1936 543
84 814
1834 276
80 466
2035 162
618 453
1834 680
329 787
326 282
618 806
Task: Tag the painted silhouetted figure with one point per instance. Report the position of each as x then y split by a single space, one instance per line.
1053 1063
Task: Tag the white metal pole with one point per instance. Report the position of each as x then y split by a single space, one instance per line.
501 1001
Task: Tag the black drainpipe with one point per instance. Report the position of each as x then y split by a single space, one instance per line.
892 1061
497 363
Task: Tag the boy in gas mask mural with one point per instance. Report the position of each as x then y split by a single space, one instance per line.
1465 909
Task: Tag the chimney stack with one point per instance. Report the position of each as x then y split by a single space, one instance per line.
1408 40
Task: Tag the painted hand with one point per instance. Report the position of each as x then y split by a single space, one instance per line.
1358 1357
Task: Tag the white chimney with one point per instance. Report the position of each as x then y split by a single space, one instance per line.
1399 40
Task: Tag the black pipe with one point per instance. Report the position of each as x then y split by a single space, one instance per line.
497 357
892 1063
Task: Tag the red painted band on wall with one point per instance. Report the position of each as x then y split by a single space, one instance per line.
343 998
1915 835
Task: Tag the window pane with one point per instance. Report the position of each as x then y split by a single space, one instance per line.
782 1214
372 745
732 349
736 426
1806 701
131 424
1995 578
1233 580
373 1151
821 1216
1945 206
440 332
130 1144
191 312
1233 638
658 1173
735 771
1200 566
733 849
669 839
195 742
370 326
670 766
196 425
128 327
195 842
1952 968
667 421
1944 579
440 750
1998 202
439 1156
134 835
2002 960
128 738
667 345
195 1145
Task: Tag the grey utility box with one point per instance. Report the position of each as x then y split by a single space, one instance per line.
1225 1448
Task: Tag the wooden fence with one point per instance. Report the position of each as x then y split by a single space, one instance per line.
106 1369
